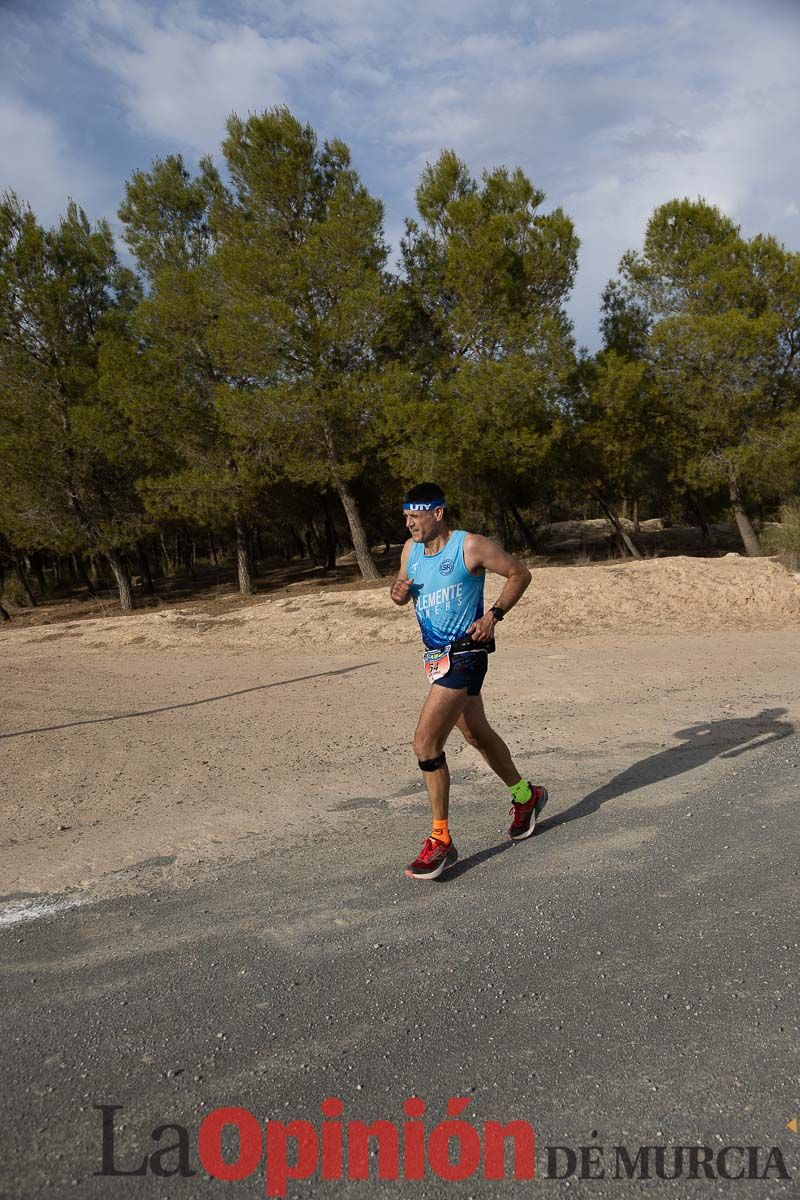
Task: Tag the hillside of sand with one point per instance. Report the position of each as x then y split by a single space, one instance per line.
680 593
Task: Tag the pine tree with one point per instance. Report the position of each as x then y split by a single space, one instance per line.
486 277
724 343
300 257
68 469
174 377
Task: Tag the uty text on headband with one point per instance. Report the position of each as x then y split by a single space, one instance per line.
423 505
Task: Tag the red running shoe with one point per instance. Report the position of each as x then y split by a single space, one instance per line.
525 815
434 857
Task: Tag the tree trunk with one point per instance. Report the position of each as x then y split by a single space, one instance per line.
169 568
144 570
4 616
698 510
330 536
366 563
618 527
508 531
528 537
99 575
300 546
326 540
746 532
36 566
123 578
183 553
313 543
188 559
244 561
498 524
22 576
637 525
82 574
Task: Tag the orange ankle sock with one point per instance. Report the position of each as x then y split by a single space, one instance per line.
441 832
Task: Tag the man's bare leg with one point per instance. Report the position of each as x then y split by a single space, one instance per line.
528 801
441 710
440 713
478 732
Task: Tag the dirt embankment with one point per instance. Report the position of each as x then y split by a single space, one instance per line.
681 593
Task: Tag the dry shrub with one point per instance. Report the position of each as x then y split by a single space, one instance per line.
784 539
13 593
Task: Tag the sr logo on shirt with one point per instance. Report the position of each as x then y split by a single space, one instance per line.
446 567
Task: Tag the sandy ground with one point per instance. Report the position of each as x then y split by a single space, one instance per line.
160 746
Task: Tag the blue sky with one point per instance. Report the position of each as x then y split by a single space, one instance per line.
610 106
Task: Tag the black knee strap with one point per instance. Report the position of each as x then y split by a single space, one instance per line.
432 764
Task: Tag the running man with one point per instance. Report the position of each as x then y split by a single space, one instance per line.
442 571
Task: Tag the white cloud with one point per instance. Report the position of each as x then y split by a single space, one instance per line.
37 162
614 122
591 47
181 73
612 108
731 143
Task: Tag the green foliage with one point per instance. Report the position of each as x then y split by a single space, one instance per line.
718 373
170 377
300 261
622 429
273 360
486 275
723 345
165 216
625 322
693 260
65 461
13 593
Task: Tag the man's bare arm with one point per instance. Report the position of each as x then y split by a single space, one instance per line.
480 551
400 590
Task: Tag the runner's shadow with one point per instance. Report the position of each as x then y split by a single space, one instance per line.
466 864
714 739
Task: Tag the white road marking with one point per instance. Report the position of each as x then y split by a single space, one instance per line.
34 909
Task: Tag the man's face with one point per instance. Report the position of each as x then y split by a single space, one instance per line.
423 526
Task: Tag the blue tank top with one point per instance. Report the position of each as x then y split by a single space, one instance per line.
447 599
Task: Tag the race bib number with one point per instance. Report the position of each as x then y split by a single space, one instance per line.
436 663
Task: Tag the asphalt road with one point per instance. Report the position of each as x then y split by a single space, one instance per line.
626 977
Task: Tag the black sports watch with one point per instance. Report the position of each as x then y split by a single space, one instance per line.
499 613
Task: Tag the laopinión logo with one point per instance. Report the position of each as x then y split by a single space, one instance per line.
232 1144
290 1150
